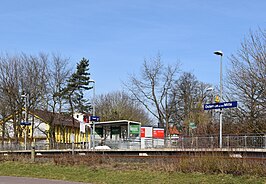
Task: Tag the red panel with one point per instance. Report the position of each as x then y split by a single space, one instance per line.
159 134
142 132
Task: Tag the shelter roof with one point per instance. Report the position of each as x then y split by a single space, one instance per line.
117 122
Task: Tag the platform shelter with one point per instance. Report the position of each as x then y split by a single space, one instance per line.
120 134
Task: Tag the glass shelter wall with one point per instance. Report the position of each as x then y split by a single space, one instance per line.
122 134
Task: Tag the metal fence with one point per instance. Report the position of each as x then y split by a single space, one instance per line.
37 146
211 142
231 141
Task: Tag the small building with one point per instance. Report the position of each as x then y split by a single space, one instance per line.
120 134
39 125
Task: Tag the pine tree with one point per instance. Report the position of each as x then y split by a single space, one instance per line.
76 85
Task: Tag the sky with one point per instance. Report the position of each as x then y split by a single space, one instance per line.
117 35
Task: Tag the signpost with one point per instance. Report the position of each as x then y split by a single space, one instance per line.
220 105
25 123
94 119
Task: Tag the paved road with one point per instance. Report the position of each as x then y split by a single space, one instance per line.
22 180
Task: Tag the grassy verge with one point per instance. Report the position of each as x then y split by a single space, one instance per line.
110 175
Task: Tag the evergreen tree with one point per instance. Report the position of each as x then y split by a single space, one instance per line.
76 84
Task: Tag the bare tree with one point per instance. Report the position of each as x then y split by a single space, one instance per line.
118 106
33 82
247 82
58 73
189 97
10 74
22 74
153 89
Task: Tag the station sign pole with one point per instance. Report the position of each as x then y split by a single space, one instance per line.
220 106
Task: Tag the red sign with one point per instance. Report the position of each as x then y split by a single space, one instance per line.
158 133
142 132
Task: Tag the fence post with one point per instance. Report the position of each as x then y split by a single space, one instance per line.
228 141
33 152
72 138
265 141
211 142
245 146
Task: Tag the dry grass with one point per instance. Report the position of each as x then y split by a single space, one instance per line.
203 164
214 165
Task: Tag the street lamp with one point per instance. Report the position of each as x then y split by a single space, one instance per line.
220 53
93 113
209 89
25 108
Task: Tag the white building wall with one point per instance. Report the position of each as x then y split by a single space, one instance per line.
39 129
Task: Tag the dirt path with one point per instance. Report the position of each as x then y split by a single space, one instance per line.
22 180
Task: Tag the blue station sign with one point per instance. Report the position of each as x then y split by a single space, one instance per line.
94 118
25 123
220 105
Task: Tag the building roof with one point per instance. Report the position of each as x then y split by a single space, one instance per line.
56 118
173 130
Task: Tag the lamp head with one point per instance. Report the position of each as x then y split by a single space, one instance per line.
209 89
220 53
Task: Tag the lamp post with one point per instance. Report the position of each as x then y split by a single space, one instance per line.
220 53
25 132
211 90
93 113
93 102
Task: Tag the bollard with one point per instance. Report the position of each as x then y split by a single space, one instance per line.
73 144
33 153
73 147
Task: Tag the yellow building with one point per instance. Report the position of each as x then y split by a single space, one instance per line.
40 124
